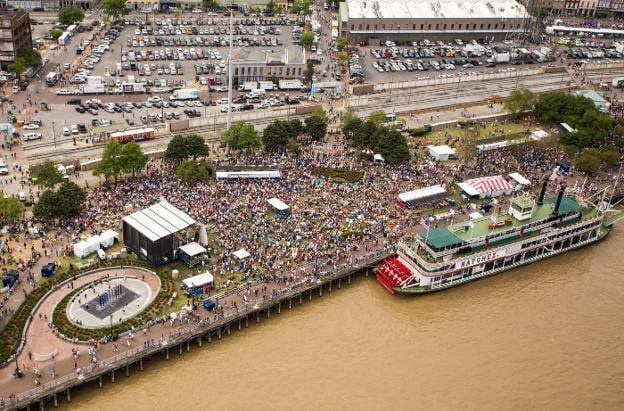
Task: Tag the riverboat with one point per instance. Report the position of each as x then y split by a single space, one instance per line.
529 231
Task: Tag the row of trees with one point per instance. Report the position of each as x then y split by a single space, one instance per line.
279 135
590 159
184 152
373 135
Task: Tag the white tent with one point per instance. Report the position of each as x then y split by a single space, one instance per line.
88 246
520 180
539 135
377 158
278 204
241 254
198 280
192 249
108 238
441 153
475 215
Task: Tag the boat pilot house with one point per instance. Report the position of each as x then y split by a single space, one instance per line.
152 233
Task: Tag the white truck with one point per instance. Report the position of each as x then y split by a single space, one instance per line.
502 58
290 85
185 94
267 85
256 93
250 85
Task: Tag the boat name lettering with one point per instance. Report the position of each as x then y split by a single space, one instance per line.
481 258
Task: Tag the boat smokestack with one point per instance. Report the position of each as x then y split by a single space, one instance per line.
540 200
559 198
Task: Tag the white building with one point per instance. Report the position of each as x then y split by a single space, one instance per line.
370 20
441 153
256 64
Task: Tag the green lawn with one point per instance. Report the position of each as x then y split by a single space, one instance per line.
490 130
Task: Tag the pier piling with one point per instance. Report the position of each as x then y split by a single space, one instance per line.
55 399
339 283
127 370
180 349
141 364
247 321
289 303
167 352
100 381
349 279
68 395
279 307
257 316
321 290
300 298
188 345
269 312
113 375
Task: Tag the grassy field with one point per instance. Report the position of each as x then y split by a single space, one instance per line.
489 131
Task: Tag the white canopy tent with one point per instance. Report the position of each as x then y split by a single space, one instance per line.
108 238
423 194
441 153
520 180
378 158
241 254
192 249
87 246
199 280
278 204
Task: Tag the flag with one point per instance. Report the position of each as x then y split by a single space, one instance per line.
425 223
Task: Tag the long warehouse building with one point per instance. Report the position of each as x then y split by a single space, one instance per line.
370 21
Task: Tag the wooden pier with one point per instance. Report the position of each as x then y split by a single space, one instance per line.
193 333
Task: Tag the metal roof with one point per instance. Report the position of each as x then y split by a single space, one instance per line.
192 249
423 193
159 221
435 9
441 237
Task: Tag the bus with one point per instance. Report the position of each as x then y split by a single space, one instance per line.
52 78
139 134
64 38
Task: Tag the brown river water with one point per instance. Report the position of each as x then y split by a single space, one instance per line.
546 336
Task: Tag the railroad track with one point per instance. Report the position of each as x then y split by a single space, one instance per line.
162 137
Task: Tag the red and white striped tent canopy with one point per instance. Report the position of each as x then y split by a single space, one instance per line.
491 186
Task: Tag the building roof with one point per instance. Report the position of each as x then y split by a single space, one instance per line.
594 96
287 55
441 150
159 221
441 237
435 9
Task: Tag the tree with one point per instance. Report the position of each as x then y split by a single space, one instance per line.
115 8
610 157
183 147
302 7
196 146
242 135
48 175
392 146
193 171
11 208
343 56
276 135
133 159
71 198
587 163
32 57
519 101
70 15
316 127
294 147
111 164
18 66
341 43
320 113
377 116
56 33
270 7
307 38
210 4
47 208
309 71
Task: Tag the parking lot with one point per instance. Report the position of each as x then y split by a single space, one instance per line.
160 56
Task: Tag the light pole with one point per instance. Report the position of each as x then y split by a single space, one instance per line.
229 113
54 135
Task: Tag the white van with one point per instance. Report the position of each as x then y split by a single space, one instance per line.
101 254
66 131
257 93
31 136
22 196
74 129
223 100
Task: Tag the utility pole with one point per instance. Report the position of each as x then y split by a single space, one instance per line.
229 112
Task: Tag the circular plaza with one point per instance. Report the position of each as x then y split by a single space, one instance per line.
110 300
